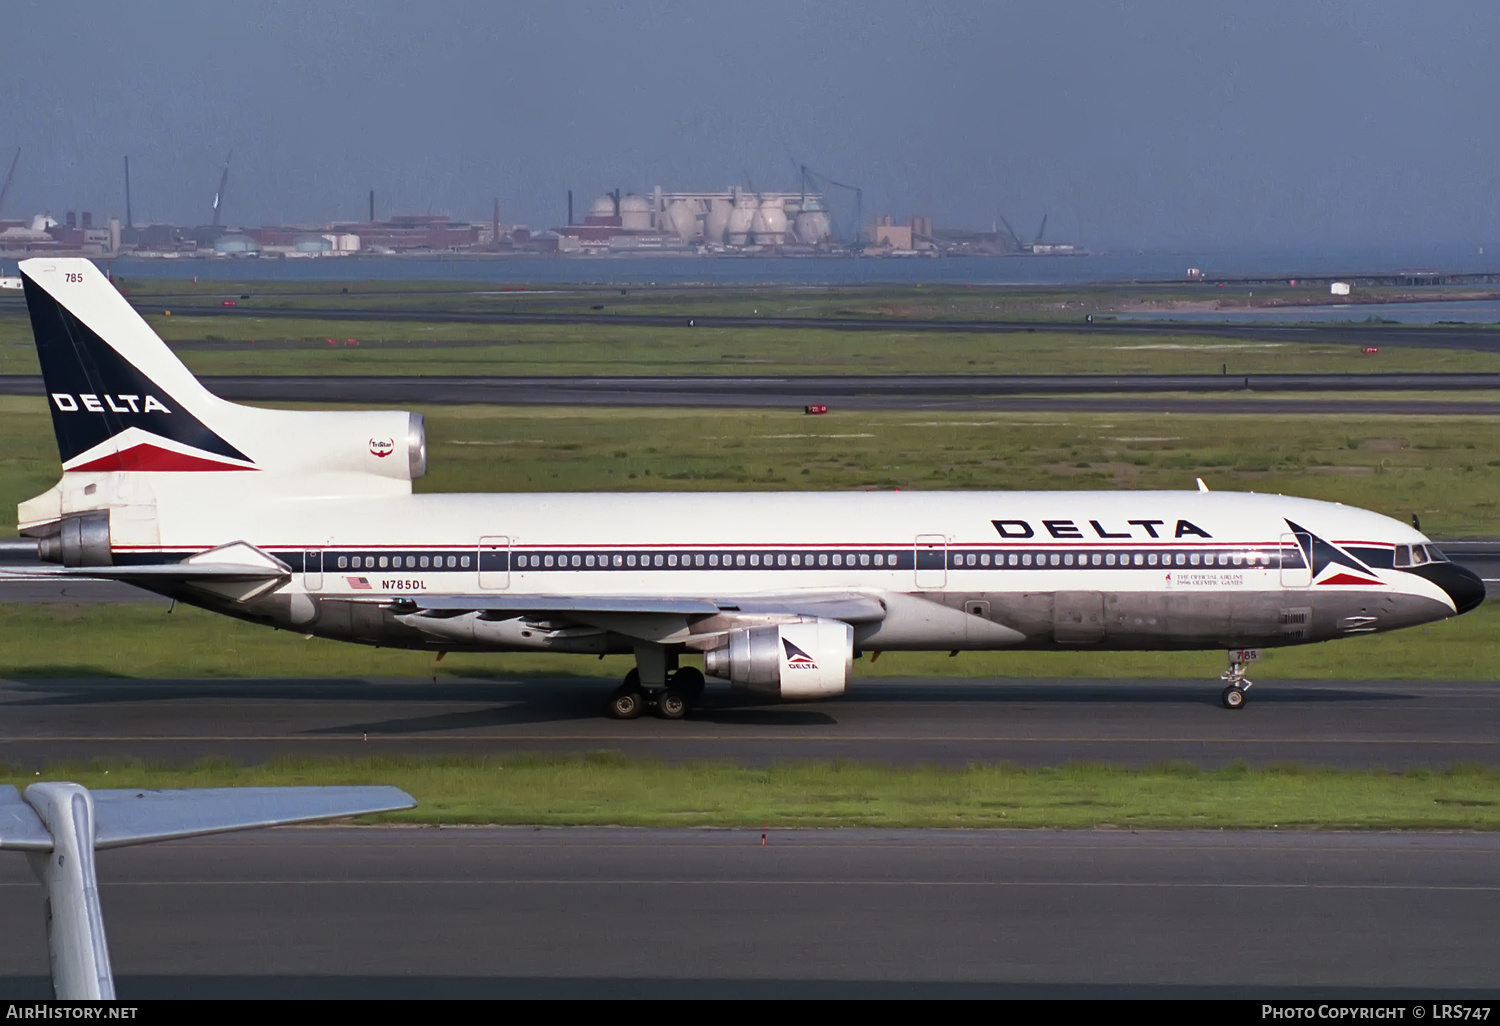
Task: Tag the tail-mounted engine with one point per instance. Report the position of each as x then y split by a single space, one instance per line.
811 659
81 540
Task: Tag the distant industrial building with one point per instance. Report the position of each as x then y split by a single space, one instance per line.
685 221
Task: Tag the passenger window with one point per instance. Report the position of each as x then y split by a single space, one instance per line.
382 562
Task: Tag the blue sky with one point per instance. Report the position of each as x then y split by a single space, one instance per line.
1132 124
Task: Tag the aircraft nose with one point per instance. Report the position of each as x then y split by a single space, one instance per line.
1462 584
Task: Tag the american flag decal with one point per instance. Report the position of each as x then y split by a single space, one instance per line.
358 583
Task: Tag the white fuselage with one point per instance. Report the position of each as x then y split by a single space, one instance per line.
1169 569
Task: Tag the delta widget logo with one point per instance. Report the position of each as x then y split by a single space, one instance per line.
796 659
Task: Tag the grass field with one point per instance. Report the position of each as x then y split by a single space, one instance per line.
608 789
1445 469
414 348
896 302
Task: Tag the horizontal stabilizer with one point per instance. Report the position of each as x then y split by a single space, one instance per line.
159 572
21 829
137 816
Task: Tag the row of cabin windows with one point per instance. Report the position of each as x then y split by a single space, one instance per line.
668 560
408 562
892 560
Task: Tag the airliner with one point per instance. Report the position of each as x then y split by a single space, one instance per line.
306 521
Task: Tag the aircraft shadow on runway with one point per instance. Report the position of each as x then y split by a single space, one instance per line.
1123 692
541 704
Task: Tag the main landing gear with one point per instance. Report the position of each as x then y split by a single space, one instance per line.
1233 696
684 689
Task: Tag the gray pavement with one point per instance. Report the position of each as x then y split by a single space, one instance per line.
945 721
1210 394
483 912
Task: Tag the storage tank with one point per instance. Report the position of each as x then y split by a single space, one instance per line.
770 224
812 225
683 218
716 222
635 213
741 220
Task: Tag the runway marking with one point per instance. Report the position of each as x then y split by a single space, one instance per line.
731 882
611 738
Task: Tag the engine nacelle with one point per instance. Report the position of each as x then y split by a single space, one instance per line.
811 659
79 540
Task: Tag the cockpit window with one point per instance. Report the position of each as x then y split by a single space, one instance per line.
1403 555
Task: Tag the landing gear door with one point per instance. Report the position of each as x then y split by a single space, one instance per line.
312 569
494 562
931 560
1296 571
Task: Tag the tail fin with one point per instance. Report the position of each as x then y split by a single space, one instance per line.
120 399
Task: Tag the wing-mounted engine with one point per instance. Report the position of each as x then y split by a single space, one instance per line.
811 659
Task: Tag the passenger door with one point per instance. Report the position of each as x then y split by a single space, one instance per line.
931 561
312 569
1296 571
494 562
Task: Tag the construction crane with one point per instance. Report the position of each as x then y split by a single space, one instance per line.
219 194
849 232
9 175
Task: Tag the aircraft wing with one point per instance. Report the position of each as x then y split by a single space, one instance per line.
133 816
20 827
851 607
138 816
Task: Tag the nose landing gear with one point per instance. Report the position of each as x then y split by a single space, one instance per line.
1233 696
